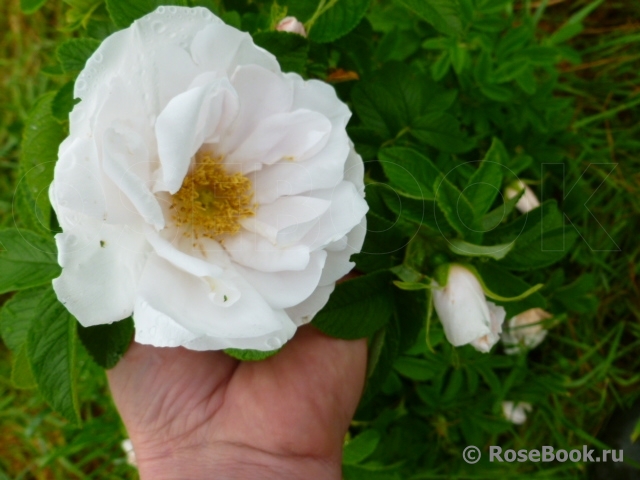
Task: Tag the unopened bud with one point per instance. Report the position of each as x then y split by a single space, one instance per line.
291 24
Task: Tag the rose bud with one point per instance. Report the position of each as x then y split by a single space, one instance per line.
292 25
525 330
528 201
466 315
516 413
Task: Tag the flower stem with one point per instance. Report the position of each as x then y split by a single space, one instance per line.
323 6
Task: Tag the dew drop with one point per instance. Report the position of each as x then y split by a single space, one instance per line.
72 240
204 13
161 10
173 10
274 343
81 85
158 27
98 57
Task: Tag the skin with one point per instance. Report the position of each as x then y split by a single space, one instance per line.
203 415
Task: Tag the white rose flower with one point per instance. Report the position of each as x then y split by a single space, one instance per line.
202 190
528 201
291 24
525 330
466 315
516 413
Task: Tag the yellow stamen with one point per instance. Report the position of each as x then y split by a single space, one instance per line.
211 201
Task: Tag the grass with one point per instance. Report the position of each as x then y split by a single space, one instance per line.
597 357
34 442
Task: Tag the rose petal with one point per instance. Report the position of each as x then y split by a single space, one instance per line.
186 300
101 264
346 211
123 150
287 288
255 251
285 221
291 136
187 121
274 96
304 312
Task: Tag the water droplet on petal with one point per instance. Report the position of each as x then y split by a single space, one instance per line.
161 10
72 240
98 57
158 27
274 343
81 85
204 13
172 10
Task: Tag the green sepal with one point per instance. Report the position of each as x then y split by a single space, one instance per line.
495 296
250 355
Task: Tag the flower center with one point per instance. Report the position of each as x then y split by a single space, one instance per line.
211 201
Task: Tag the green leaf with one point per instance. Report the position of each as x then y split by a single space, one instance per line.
409 171
444 15
497 252
492 219
107 344
440 67
290 49
41 138
510 70
25 214
541 238
506 284
26 260
250 355
338 20
80 12
578 296
125 12
63 102
383 350
74 53
21 374
31 6
359 448
485 183
389 101
17 315
357 308
573 26
442 131
410 316
497 93
417 369
51 348
456 208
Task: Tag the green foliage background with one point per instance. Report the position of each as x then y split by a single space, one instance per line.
442 92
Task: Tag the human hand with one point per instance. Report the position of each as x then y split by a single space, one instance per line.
203 415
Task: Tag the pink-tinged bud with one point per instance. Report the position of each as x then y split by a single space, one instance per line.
291 24
528 201
466 315
525 330
516 413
